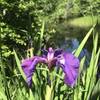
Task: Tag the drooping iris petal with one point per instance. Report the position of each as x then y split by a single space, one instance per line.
28 69
58 52
28 66
70 66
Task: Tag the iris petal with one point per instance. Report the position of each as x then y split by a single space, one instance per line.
58 52
28 66
70 66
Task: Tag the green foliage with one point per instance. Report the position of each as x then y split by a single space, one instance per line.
21 22
41 88
28 25
89 76
96 91
84 42
19 65
92 70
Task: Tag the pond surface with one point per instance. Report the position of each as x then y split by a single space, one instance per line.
77 28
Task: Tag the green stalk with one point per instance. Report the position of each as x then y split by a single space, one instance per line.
78 51
19 65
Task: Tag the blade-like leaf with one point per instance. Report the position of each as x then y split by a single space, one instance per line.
19 65
96 91
78 51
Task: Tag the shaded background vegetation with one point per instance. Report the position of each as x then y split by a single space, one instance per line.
21 21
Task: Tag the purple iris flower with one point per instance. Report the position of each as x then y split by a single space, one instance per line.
51 56
67 61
